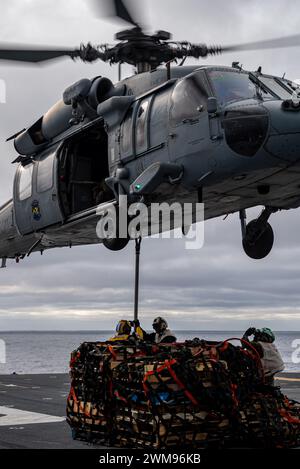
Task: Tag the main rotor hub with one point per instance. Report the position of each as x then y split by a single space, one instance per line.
144 51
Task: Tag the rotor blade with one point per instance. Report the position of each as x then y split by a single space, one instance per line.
34 54
122 12
287 41
114 8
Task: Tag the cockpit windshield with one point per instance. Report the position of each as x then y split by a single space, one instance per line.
233 86
276 87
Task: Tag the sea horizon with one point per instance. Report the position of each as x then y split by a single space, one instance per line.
110 330
48 351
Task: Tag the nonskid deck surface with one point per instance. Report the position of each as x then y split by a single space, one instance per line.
32 410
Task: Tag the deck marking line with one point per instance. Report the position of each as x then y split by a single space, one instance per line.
15 417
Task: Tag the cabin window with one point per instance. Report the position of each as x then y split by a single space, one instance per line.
45 173
25 182
126 138
189 98
141 130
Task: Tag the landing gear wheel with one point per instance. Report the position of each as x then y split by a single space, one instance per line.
115 244
262 243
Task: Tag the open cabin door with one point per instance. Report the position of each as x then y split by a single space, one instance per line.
82 170
35 194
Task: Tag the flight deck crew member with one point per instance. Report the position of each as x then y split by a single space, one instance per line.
263 342
123 331
162 334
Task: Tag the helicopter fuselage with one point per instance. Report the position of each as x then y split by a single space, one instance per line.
234 135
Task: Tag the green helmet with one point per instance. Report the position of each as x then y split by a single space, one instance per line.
265 335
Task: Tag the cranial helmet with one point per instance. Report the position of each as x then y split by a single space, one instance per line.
159 324
123 327
265 335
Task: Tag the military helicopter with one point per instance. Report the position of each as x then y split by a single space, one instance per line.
224 136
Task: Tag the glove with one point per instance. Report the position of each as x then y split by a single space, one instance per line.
249 332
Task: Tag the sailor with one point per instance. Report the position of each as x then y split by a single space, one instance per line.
162 334
101 193
123 331
263 342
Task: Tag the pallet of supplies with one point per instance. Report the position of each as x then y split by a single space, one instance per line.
194 394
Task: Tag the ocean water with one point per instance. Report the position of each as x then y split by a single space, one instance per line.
49 352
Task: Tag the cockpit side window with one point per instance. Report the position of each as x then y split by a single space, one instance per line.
189 98
25 182
232 86
246 129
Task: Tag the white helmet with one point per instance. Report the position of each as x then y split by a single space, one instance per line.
159 324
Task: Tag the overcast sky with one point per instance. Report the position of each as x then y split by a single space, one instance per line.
217 287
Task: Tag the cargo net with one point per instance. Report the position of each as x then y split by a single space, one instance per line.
194 394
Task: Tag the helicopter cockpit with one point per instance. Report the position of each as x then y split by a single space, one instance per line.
230 85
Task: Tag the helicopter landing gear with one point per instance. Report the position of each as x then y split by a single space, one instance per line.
116 243
257 235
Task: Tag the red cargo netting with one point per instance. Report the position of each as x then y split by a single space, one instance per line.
195 394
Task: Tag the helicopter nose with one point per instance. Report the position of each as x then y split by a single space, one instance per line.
284 116
246 127
284 130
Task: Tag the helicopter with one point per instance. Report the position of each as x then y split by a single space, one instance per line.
218 135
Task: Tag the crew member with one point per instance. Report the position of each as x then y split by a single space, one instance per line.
162 334
263 342
123 332
101 193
